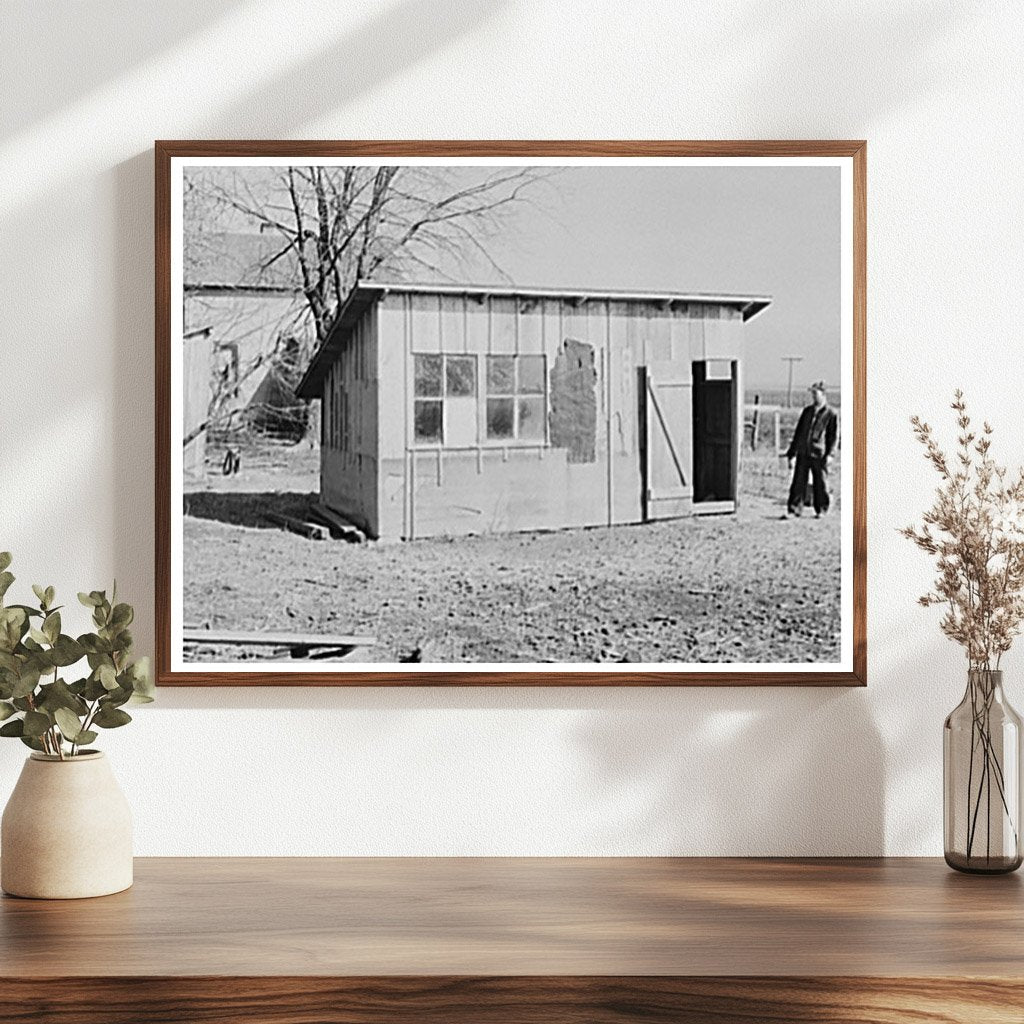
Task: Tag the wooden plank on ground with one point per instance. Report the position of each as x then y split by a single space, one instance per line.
338 524
292 640
312 531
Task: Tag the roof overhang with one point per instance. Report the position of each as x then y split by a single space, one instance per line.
362 296
366 293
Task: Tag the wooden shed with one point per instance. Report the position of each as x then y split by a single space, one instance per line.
457 410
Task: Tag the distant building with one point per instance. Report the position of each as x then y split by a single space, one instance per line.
459 410
246 327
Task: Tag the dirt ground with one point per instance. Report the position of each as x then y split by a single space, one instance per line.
750 587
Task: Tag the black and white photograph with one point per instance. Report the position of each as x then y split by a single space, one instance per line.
505 414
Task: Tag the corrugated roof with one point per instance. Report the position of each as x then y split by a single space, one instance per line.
367 292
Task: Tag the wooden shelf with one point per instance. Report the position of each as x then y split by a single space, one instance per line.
282 941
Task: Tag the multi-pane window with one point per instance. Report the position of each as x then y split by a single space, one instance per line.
444 399
516 402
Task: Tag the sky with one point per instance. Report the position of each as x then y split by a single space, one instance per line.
757 230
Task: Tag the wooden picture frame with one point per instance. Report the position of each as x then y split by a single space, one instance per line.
850 154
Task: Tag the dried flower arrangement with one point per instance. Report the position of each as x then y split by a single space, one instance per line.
975 531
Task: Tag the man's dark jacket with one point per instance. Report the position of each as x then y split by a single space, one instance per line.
815 433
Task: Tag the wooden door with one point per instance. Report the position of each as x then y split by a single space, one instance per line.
667 455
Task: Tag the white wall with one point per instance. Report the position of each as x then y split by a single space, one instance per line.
936 87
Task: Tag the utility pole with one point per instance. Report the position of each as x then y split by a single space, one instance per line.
789 386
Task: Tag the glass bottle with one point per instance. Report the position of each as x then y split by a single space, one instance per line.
981 773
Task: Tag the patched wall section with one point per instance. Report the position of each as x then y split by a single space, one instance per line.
573 399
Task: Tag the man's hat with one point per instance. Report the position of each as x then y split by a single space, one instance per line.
818 385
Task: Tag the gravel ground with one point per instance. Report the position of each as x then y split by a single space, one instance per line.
751 587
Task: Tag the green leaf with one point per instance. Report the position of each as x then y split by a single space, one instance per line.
94 644
122 616
69 724
51 626
16 727
36 723
86 736
124 641
13 626
31 741
5 560
40 593
108 718
89 600
66 651
27 681
32 613
115 698
38 636
6 710
59 695
107 676
94 689
50 595
6 579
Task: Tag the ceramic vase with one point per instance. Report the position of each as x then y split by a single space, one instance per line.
66 831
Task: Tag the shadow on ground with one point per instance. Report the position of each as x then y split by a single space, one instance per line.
248 508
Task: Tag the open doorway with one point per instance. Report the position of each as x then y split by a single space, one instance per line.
715 442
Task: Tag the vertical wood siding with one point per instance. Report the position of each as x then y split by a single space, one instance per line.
405 490
349 462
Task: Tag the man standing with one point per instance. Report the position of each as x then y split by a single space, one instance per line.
810 452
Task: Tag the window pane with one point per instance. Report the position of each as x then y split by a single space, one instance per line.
531 375
460 373
531 419
428 421
500 375
499 417
428 376
460 422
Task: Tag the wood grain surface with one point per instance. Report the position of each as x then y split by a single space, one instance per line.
511 1000
166 150
520 939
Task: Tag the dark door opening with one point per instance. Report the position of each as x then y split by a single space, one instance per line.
714 431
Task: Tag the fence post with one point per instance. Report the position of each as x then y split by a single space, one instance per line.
757 423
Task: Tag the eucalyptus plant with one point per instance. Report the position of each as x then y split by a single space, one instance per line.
37 704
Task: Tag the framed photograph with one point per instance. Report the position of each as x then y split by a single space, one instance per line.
527 413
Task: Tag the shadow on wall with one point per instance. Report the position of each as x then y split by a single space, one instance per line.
694 771
747 772
807 58
53 78
396 38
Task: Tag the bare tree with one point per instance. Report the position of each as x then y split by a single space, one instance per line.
333 225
